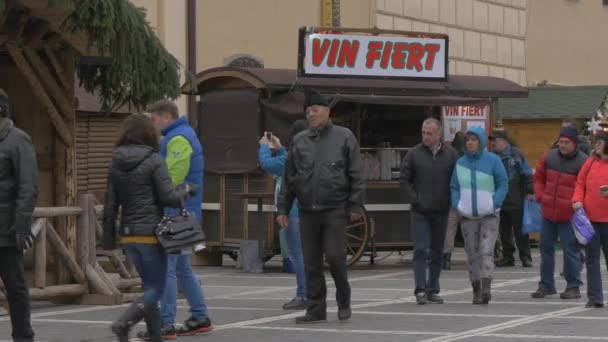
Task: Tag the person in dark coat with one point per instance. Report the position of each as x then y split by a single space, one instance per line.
139 184
324 171
18 195
521 185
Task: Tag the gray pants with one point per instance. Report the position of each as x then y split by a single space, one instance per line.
479 238
451 229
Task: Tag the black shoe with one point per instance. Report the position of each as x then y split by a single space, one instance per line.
447 261
571 293
421 298
307 319
344 313
295 304
122 326
486 288
193 326
477 292
505 263
542 292
434 298
153 323
594 305
526 263
166 333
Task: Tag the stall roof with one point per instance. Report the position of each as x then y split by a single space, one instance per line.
554 102
280 79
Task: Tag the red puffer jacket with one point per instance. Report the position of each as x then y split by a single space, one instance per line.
554 183
593 175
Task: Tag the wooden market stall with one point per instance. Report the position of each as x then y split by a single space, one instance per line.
51 58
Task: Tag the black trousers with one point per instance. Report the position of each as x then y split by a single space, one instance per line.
11 272
322 233
510 230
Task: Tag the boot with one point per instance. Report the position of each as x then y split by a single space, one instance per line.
447 261
486 286
477 292
152 318
133 314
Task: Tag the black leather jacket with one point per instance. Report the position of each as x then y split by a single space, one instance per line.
324 171
140 184
18 182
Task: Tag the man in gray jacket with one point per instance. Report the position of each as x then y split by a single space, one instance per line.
425 180
18 195
323 171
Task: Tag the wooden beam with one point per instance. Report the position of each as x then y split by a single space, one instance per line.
50 85
17 25
98 285
56 211
106 279
63 252
59 71
40 256
28 73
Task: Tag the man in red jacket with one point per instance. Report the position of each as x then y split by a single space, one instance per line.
554 184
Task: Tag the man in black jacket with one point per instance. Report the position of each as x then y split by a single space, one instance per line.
323 171
521 184
18 195
425 180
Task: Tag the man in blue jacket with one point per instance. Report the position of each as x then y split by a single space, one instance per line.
183 154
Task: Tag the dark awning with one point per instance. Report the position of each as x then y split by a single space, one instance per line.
281 79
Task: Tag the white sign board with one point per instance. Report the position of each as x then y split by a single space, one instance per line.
375 56
461 118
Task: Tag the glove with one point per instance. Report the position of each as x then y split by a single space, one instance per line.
25 240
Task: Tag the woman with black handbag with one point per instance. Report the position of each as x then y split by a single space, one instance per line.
139 183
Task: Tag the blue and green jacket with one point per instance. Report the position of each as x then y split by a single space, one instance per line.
479 182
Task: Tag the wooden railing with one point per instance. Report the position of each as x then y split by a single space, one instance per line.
91 284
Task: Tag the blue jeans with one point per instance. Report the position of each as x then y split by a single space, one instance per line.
572 261
428 232
294 246
151 264
179 273
594 272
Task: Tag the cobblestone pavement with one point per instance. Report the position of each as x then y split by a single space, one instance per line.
247 307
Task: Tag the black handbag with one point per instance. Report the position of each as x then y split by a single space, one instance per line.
178 232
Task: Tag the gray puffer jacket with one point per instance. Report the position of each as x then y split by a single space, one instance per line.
18 182
140 184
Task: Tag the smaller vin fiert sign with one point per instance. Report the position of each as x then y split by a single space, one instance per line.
394 56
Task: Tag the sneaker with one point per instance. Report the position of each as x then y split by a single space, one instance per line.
591 304
543 292
505 263
421 298
344 313
526 263
295 304
433 298
193 326
571 293
166 333
307 319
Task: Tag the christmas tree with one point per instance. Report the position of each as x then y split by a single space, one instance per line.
599 121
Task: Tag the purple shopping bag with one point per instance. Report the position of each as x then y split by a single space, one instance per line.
583 229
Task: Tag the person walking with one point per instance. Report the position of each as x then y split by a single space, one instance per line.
478 187
139 184
324 172
554 183
591 193
521 185
18 196
275 165
425 180
453 217
183 154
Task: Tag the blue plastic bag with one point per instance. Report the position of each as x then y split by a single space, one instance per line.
533 218
583 229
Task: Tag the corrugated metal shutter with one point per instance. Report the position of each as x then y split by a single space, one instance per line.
95 138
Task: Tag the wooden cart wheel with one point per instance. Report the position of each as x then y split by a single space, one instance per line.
357 235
